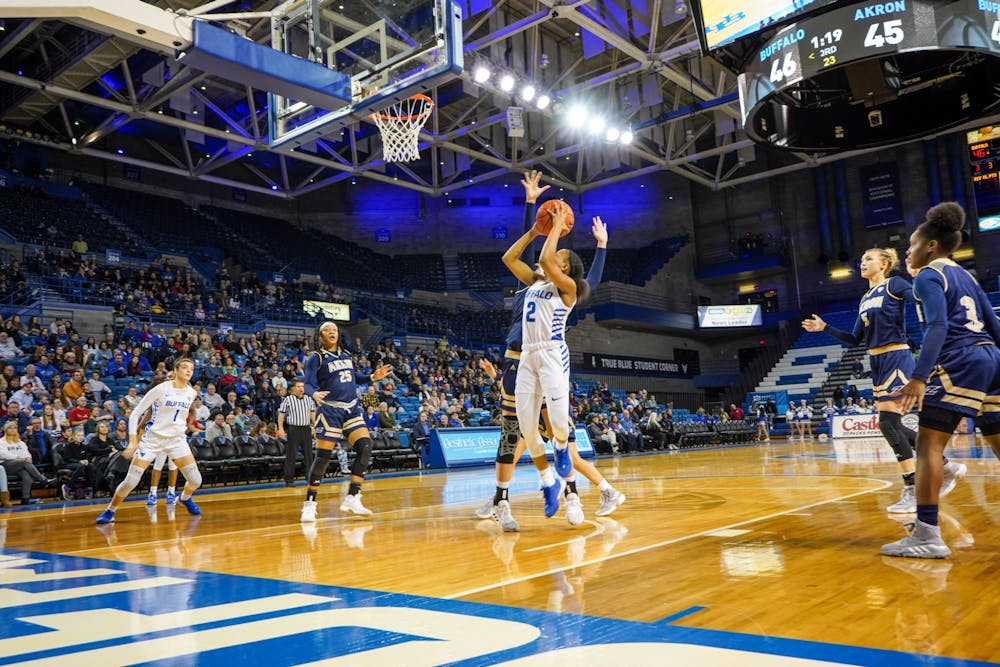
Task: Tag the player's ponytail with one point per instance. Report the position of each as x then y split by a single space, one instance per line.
945 224
576 273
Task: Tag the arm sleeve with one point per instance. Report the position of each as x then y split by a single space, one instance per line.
361 378
145 404
900 288
929 289
596 271
853 338
990 319
309 370
528 223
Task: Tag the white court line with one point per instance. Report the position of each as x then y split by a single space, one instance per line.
657 545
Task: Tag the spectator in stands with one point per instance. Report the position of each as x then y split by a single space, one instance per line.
838 396
629 432
421 432
40 443
137 364
850 408
852 393
49 422
370 398
80 413
386 417
16 460
21 397
625 444
73 455
120 434
116 366
212 399
60 402
653 428
97 389
442 421
235 424
132 397
80 246
217 427
69 364
98 361
601 436
388 396
229 405
45 370
699 416
372 420
32 383
252 423
8 350
99 448
17 416
736 412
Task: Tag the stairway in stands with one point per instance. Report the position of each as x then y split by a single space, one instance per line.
452 274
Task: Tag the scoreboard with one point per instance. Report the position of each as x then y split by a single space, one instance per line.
984 156
830 81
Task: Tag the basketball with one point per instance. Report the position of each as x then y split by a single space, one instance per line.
543 219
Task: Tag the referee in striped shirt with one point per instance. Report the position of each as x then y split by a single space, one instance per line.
296 413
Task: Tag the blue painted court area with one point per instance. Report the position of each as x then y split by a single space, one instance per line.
79 611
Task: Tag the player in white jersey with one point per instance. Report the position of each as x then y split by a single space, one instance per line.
543 371
165 432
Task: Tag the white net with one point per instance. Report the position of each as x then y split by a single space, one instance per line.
400 127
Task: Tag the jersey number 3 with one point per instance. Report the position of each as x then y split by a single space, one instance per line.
974 324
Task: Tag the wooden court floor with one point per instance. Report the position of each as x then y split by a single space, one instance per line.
757 555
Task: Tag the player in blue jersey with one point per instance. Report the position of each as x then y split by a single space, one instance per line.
332 382
958 372
880 328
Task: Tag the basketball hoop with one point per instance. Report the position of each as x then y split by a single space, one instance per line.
400 126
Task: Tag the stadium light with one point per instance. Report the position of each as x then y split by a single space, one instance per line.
543 101
626 137
528 93
576 116
507 83
613 134
482 74
596 124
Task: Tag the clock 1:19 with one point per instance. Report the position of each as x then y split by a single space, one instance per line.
830 37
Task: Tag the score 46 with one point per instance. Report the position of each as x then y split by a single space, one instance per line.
784 68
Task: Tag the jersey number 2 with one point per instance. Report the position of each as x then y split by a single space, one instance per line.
529 314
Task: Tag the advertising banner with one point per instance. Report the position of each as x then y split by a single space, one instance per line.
476 446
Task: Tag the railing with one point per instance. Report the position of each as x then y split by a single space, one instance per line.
634 295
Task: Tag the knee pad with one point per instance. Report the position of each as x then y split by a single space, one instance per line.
939 419
192 474
510 433
318 469
132 479
362 457
890 424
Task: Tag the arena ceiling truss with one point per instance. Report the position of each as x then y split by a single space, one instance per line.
80 87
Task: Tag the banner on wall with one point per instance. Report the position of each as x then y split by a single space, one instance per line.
880 195
779 398
593 361
477 446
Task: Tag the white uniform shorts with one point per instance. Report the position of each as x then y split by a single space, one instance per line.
544 370
152 448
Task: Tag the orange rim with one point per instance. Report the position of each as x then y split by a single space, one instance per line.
419 96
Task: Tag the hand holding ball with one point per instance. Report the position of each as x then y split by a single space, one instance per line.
546 213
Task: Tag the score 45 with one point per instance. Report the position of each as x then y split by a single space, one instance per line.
887 32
